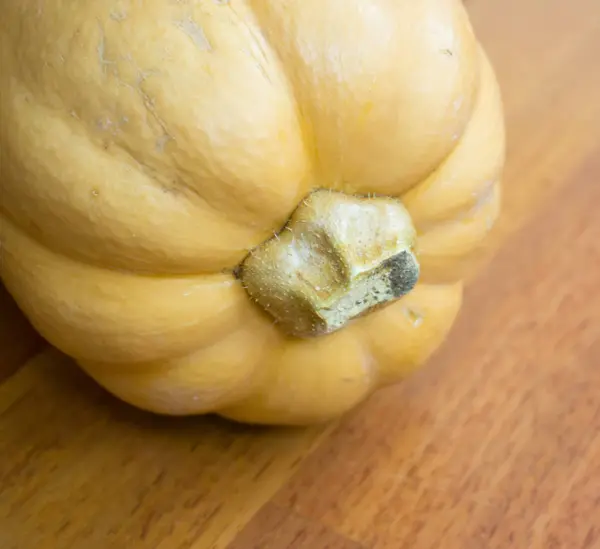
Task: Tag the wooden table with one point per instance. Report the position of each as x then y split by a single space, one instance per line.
495 444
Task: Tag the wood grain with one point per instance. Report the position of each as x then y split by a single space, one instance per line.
494 445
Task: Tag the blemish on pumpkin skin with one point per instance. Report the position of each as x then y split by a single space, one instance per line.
142 76
118 15
101 50
162 141
195 32
415 318
484 195
104 123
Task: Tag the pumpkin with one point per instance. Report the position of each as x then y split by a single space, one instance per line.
263 209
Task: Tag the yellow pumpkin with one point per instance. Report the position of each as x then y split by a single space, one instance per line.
256 208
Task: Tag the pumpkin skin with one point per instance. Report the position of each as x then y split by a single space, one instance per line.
148 148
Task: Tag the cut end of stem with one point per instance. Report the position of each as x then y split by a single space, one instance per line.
339 257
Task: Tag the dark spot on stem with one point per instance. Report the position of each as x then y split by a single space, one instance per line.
403 273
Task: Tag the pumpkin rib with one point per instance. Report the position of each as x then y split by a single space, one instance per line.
451 251
89 312
309 381
457 143
75 205
304 122
342 88
405 334
227 370
459 236
269 151
182 188
457 184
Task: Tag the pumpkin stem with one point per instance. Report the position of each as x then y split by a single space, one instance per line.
338 257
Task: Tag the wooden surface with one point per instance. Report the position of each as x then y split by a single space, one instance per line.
495 444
